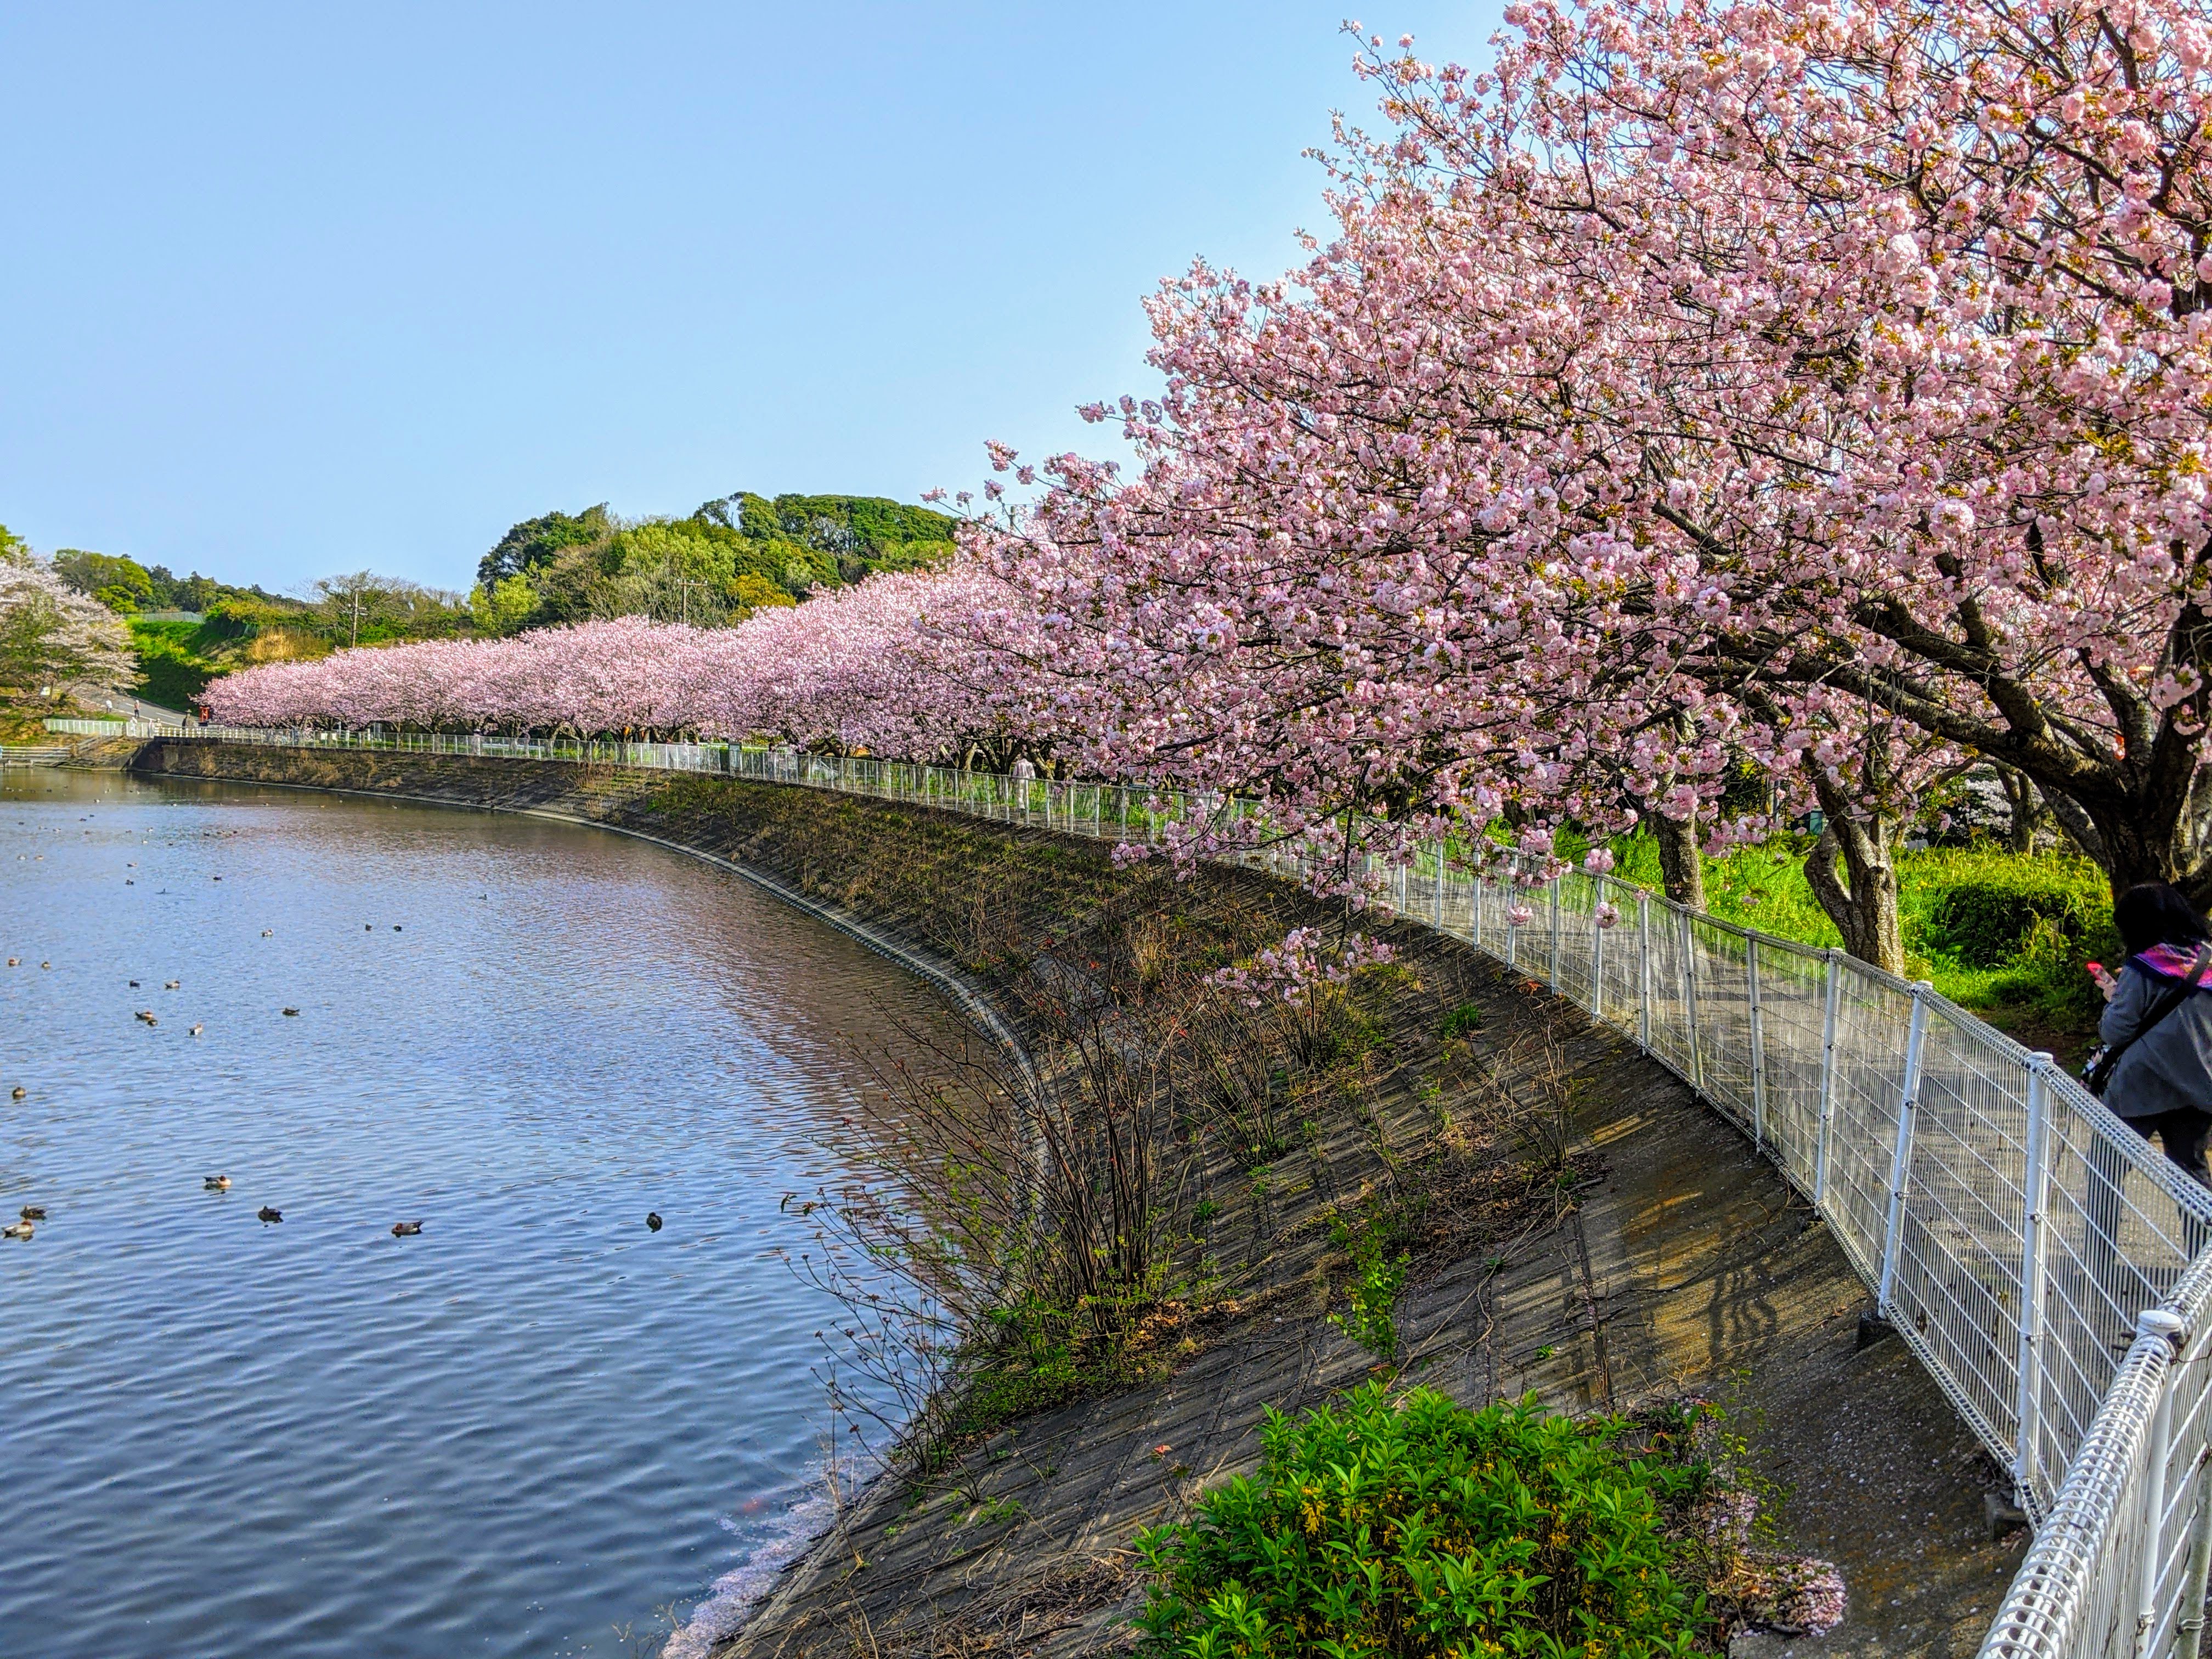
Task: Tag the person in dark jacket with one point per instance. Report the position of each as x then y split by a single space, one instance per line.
2162 1084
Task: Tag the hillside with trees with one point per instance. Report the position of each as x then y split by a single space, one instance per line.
736 555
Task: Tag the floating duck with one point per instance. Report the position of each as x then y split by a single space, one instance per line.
215 1184
266 1213
134 984
368 927
268 932
16 1230
15 961
46 965
146 1014
290 1011
652 1221
17 1093
405 1229
195 1031
397 929
173 984
33 1213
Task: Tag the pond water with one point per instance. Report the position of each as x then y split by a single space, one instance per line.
538 1428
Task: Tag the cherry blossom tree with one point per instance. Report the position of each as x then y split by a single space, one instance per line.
1814 385
1898 316
53 635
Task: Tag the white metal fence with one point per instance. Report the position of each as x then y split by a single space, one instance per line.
2032 1251
131 727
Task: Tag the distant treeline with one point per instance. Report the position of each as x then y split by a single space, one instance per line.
732 556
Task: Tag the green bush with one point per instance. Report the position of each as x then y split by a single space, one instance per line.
1418 1528
1379 1273
1986 920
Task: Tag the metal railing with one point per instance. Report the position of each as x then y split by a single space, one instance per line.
2032 1251
131 727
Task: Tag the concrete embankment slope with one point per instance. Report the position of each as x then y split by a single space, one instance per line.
1671 1259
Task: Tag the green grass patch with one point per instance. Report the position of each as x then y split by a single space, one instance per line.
171 671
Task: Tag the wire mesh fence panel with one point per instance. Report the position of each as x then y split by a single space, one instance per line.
1955 1288
1792 1015
1866 1095
1575 935
2117 1234
1667 966
1720 980
1618 978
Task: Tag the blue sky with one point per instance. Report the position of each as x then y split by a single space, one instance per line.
293 291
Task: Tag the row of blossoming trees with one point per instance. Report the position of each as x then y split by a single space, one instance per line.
1809 389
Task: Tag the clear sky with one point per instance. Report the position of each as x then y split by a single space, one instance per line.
296 290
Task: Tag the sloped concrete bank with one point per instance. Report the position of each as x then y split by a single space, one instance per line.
1672 1260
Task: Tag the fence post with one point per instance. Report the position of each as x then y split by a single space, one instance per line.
2189 1631
1551 979
2166 1326
2028 1415
1644 970
1688 946
1436 893
1758 1045
1834 991
1597 952
1900 1160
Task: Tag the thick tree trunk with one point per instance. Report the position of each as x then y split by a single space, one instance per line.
2025 802
1681 868
1862 900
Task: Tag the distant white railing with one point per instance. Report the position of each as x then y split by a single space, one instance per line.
2029 1248
131 727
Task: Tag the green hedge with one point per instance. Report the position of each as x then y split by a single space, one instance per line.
1989 920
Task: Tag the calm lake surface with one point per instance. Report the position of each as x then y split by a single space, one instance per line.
528 1431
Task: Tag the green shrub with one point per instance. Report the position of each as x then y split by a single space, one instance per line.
1418 1528
1985 920
1377 1275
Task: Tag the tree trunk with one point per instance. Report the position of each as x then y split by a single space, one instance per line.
1681 868
1863 901
2025 801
